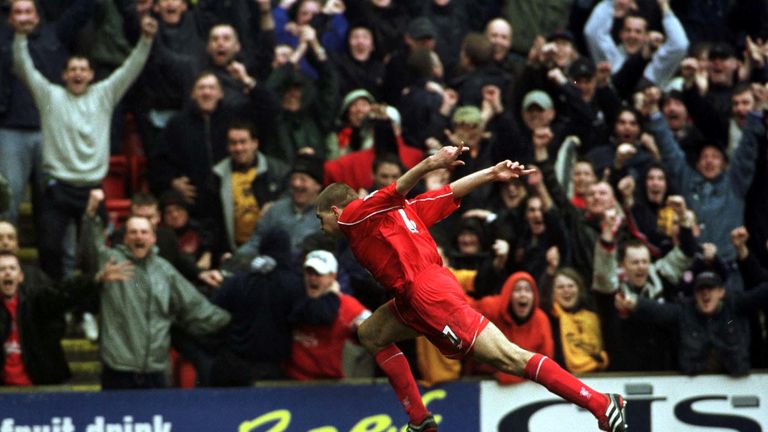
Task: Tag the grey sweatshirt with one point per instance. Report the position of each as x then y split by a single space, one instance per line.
76 128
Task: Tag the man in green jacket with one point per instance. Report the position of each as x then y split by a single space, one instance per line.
139 302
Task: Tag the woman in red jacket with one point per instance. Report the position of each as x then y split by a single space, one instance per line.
515 311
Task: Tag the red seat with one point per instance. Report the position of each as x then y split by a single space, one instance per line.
184 374
115 184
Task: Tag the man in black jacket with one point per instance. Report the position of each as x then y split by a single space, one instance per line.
31 326
712 326
195 139
265 303
241 187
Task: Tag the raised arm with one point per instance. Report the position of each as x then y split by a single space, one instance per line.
122 78
742 167
25 70
446 157
668 57
597 33
502 171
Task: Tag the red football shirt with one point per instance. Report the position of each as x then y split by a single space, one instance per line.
388 234
14 373
317 349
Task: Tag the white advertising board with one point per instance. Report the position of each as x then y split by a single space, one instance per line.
655 404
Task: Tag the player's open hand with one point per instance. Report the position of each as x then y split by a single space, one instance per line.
507 170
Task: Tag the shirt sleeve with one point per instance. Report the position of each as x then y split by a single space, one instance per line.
25 70
434 206
356 314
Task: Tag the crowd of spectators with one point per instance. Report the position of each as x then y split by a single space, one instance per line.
640 244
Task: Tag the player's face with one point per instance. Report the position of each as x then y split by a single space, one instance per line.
329 223
522 299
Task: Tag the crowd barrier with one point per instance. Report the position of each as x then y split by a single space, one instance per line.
656 404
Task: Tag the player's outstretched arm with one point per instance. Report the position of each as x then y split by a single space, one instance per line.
446 157
502 171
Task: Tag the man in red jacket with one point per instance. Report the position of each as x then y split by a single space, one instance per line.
318 349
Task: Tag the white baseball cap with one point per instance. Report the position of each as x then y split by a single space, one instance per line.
322 261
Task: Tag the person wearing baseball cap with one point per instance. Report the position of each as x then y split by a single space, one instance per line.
538 109
317 351
713 328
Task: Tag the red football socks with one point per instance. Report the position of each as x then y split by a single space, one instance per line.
394 364
546 372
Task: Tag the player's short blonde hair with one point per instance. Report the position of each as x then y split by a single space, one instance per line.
336 194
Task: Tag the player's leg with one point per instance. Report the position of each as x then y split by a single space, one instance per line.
378 335
382 329
494 348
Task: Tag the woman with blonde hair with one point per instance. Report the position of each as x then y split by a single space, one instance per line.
575 328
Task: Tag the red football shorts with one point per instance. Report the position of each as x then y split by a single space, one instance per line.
434 305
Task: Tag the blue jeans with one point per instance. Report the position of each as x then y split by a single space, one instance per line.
19 160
